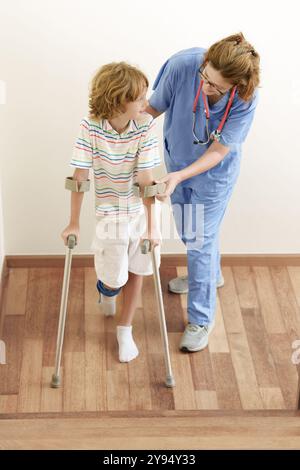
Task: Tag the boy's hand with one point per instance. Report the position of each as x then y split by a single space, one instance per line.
71 229
153 235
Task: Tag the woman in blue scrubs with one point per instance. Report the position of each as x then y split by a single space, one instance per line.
209 99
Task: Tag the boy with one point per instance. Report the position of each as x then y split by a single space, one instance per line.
118 141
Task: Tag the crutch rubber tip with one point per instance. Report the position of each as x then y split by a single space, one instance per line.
55 383
170 382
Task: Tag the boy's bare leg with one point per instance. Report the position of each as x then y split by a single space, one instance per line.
131 293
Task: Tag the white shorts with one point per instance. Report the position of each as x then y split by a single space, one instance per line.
117 251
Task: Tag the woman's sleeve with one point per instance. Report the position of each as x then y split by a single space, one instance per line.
239 122
164 87
83 150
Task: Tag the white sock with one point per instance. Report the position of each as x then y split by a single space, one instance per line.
108 305
127 347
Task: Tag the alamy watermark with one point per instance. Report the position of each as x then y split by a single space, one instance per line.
189 224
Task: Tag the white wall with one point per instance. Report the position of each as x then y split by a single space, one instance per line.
50 49
2 252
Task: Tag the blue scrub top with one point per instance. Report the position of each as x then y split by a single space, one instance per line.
175 89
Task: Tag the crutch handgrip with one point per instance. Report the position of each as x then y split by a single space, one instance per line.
145 246
72 241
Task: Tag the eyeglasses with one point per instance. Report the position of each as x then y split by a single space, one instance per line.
212 85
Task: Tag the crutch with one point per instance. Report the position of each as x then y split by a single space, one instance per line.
145 248
71 242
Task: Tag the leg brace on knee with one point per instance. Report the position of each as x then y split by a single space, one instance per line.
106 291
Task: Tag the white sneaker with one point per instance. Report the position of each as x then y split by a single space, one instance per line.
180 285
220 281
195 337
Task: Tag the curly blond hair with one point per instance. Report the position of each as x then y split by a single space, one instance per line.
238 62
113 86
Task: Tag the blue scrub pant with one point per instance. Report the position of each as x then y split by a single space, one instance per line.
198 225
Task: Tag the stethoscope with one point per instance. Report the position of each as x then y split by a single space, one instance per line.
215 135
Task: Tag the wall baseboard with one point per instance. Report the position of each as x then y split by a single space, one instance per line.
45 261
3 277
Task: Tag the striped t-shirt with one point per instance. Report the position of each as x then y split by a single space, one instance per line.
116 160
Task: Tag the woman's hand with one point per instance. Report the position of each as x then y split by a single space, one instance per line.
71 229
171 180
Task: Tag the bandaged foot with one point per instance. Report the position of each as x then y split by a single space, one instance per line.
127 347
108 305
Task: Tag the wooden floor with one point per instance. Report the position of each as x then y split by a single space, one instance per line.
188 430
247 366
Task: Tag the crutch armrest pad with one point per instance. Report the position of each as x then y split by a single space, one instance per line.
149 191
77 186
